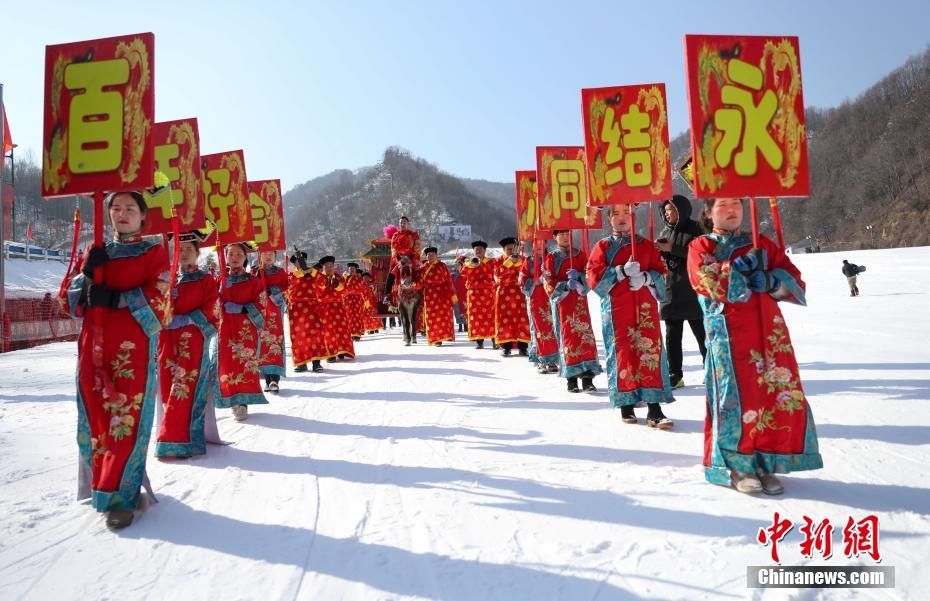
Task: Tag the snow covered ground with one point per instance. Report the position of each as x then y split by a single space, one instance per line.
456 474
33 278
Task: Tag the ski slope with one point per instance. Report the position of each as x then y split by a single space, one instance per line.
456 474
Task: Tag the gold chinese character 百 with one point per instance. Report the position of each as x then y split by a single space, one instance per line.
95 141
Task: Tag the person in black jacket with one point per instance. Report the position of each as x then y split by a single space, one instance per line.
681 302
851 270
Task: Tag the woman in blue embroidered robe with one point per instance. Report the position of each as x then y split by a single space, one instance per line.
637 370
758 420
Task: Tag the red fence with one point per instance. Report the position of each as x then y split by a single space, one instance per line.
34 321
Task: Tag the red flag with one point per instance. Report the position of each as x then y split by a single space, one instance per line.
7 136
29 232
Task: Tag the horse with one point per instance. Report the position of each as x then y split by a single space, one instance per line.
409 298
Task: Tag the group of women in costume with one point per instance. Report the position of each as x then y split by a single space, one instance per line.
195 341
204 343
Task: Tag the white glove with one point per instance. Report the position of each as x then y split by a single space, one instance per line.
576 286
620 275
631 268
638 281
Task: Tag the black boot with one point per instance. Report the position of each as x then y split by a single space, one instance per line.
479 343
317 367
273 385
524 349
587 384
573 385
301 368
656 419
267 383
506 351
627 414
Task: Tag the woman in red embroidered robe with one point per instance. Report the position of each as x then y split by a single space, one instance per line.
272 334
187 357
330 290
354 300
241 297
758 422
544 346
370 305
637 370
308 342
121 290
571 320
479 286
511 324
438 297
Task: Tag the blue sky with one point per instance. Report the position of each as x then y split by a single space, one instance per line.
308 87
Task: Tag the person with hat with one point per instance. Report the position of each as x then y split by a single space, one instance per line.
438 298
241 296
355 301
308 343
122 292
629 288
330 289
458 282
370 305
187 358
681 302
544 346
511 324
564 279
272 333
405 242
479 288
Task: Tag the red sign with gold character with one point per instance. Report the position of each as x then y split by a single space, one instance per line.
99 116
177 155
747 116
226 195
267 214
626 142
562 191
527 209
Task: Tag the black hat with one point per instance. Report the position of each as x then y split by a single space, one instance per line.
430 249
508 240
366 274
298 256
196 236
355 265
402 217
327 259
247 247
478 243
557 232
